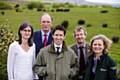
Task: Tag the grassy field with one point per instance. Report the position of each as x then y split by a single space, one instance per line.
91 15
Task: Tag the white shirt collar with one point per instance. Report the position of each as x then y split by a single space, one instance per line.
58 46
80 45
44 32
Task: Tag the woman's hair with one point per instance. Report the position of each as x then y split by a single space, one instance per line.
106 42
22 27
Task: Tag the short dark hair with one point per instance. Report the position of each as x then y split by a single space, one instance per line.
59 27
22 27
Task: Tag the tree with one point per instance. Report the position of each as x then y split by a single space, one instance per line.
6 37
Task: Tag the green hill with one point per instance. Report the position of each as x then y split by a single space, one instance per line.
92 16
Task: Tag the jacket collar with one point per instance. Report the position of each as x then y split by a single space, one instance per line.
101 57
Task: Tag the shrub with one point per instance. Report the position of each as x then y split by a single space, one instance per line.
6 37
62 10
88 25
66 10
5 6
62 5
40 5
65 23
104 11
58 5
106 6
59 10
3 13
105 25
18 10
44 10
39 9
30 6
81 22
115 39
17 6
35 5
69 5
52 10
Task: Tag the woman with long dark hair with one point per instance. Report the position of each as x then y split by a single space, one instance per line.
21 55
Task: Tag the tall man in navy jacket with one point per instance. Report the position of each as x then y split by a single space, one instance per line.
43 37
46 24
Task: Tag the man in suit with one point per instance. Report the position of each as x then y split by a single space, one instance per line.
45 31
43 37
81 49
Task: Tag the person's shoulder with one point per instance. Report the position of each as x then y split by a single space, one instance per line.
71 52
14 43
73 45
33 44
111 63
87 44
70 49
107 56
46 48
36 32
109 60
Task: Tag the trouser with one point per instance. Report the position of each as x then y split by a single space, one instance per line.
81 77
40 78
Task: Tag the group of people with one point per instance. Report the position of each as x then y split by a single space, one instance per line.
44 55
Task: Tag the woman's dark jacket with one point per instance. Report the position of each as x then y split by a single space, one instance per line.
105 70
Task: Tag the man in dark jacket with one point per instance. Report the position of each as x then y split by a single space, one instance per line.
56 61
44 32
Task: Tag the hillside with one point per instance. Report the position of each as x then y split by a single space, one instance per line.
93 16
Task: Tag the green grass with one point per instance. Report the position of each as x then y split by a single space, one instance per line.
90 15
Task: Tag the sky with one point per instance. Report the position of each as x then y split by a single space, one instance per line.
105 1
94 1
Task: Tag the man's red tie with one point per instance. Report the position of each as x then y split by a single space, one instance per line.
45 40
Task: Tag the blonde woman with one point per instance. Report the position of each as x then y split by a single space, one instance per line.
100 65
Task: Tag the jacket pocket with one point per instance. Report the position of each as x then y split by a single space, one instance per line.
103 69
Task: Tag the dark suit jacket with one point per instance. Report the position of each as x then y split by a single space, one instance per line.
74 48
38 40
106 68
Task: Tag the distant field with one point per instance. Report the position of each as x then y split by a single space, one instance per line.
91 16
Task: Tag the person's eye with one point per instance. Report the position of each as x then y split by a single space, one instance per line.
43 21
26 30
48 21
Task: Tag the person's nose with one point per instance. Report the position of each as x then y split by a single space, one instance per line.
58 36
